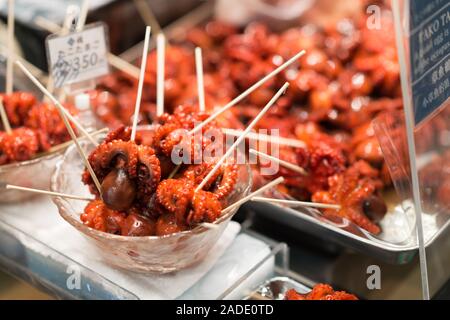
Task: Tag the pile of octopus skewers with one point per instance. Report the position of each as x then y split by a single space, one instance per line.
35 127
348 77
139 198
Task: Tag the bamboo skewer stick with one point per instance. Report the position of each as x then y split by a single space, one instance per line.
59 106
147 15
123 65
209 225
48 25
283 163
10 41
38 73
114 60
49 193
141 83
4 117
50 87
160 55
82 15
63 113
174 172
244 94
201 92
242 137
200 81
254 194
295 203
267 138
81 198
72 12
67 143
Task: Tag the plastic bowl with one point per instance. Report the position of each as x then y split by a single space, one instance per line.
34 173
140 254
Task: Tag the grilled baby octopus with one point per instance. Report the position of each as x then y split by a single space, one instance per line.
222 182
178 196
357 193
98 216
19 145
134 184
127 172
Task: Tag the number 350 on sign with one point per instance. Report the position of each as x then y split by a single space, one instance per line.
78 56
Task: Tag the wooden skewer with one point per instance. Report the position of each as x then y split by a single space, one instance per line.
38 73
49 193
72 12
244 94
267 138
82 15
174 172
114 60
254 194
147 15
160 54
209 225
46 24
283 163
200 82
9 62
58 105
74 197
4 117
66 144
141 83
63 113
51 88
295 203
242 136
123 65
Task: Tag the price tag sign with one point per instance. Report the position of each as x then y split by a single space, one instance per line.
78 56
429 41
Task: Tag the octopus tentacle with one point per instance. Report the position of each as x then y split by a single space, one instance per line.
197 172
227 180
121 133
103 157
357 196
164 140
148 173
205 207
174 195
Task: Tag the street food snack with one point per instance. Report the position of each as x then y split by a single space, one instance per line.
138 198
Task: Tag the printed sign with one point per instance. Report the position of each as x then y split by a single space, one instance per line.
430 55
78 56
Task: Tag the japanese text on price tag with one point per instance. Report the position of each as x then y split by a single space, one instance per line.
78 56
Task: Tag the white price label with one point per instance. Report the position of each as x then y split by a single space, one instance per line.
78 56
